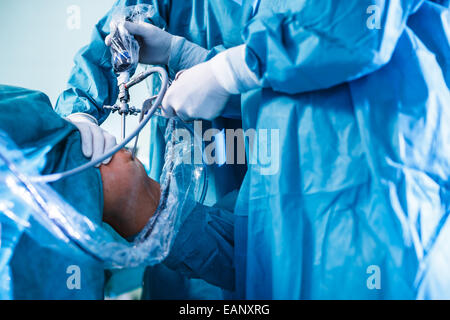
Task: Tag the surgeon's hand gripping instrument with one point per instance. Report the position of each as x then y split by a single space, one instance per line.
149 108
125 53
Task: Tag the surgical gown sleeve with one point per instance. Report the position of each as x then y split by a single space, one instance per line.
309 45
204 245
92 83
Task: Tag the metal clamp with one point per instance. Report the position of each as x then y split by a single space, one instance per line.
131 111
122 105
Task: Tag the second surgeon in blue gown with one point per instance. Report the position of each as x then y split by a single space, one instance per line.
358 93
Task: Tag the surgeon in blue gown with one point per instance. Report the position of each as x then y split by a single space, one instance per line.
210 24
358 92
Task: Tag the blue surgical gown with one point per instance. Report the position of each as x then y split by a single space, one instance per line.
358 208
38 270
360 99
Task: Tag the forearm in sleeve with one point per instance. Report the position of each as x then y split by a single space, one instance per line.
204 247
92 83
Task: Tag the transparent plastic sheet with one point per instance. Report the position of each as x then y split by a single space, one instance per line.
37 209
178 157
124 47
14 215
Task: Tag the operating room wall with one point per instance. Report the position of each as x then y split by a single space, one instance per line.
39 39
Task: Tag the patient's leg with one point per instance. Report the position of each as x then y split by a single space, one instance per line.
130 197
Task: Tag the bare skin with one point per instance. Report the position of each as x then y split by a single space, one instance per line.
130 197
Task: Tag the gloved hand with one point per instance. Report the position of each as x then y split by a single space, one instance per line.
195 94
94 140
159 47
203 91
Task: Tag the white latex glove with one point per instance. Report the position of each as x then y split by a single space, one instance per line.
203 91
94 140
159 47
196 94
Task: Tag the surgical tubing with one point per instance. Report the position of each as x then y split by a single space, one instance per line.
164 85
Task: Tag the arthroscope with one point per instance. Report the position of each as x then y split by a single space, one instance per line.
124 66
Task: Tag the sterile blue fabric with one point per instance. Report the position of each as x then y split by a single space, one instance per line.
363 147
203 249
445 3
437 41
29 120
11 228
